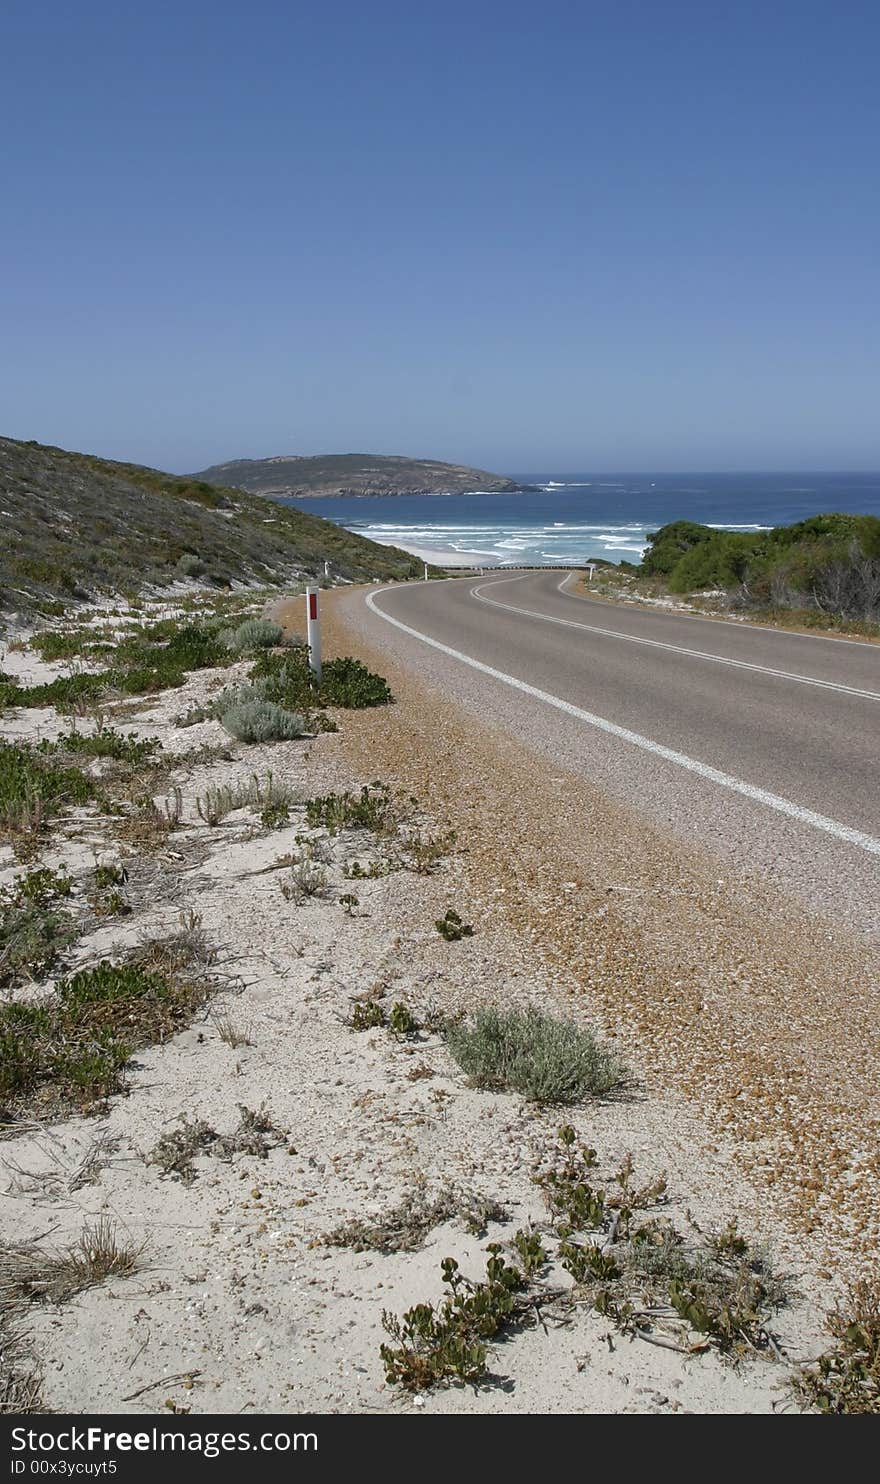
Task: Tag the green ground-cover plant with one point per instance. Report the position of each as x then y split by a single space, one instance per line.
34 789
370 1013
536 1055
35 926
65 693
145 660
275 816
451 927
371 809
438 1345
63 644
707 1290
70 1049
106 742
367 871
345 682
846 1378
105 896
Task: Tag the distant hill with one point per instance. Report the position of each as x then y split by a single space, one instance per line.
353 474
73 526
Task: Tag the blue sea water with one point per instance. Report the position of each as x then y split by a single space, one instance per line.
570 518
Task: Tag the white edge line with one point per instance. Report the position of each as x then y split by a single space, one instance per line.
736 625
699 654
794 811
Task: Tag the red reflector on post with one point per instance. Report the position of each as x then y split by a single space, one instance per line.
313 605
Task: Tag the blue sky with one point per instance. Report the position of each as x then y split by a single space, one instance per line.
562 236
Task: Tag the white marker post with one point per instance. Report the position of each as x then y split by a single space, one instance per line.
426 571
591 569
313 632
326 569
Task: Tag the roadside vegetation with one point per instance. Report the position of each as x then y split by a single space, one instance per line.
68 1049
846 1377
605 1247
544 1059
823 572
72 1020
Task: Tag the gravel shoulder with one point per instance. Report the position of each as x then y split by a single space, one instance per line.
761 1013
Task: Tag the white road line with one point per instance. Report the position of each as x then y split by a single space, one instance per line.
698 654
833 827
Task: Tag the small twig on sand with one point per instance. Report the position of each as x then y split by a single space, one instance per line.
162 1381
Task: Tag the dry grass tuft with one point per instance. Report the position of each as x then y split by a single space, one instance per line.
31 1273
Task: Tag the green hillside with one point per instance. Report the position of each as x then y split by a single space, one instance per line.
353 474
75 526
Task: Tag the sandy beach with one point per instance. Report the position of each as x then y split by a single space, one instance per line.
445 556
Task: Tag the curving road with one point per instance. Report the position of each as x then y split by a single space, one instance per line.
759 743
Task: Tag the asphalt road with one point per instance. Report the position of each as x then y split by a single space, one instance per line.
760 742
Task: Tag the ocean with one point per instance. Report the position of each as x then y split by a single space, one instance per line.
573 517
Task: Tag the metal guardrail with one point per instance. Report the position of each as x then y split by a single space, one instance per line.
522 567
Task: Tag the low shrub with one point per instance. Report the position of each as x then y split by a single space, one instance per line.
711 1290
147 661
345 682
262 721
435 1346
61 644
253 634
543 1059
64 694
